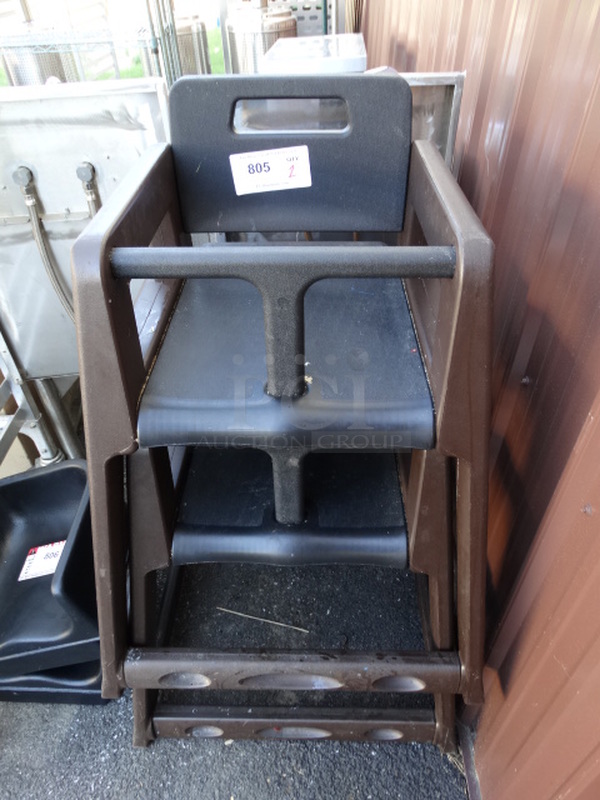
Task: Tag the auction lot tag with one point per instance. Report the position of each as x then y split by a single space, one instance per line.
271 170
42 560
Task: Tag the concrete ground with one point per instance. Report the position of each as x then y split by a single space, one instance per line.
79 752
76 752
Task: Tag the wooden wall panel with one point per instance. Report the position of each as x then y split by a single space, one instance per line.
528 151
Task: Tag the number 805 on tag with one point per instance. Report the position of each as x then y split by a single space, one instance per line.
258 168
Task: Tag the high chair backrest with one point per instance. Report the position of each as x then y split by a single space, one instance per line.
291 153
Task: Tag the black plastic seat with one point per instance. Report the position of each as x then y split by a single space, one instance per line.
366 386
354 512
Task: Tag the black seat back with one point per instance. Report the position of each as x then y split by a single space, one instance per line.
308 153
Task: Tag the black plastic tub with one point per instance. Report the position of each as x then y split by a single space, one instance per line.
47 597
78 683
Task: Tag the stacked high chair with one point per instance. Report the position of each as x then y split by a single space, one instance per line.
317 403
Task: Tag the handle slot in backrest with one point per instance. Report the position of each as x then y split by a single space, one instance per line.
291 115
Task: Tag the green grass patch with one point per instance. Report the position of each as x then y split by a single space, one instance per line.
215 50
136 70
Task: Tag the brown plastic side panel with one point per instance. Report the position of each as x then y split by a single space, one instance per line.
429 509
453 320
112 376
151 506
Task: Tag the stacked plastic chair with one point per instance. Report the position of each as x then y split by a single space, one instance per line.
316 375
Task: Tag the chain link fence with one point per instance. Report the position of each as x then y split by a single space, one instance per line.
38 56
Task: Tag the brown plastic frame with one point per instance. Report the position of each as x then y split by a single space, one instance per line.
445 489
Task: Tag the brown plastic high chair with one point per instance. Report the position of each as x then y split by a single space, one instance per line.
315 401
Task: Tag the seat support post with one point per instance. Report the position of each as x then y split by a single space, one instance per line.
288 485
284 335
